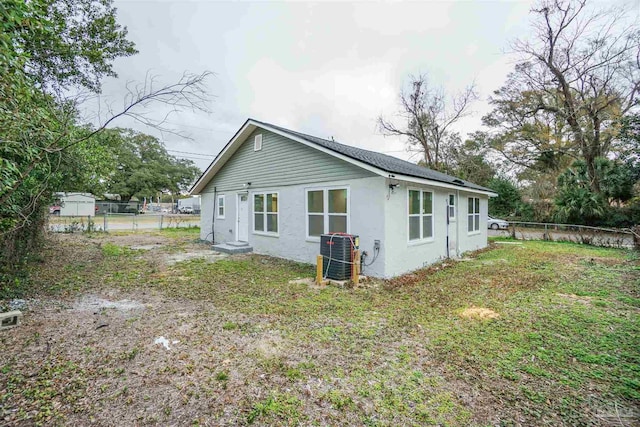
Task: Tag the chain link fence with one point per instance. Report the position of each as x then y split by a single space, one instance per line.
120 222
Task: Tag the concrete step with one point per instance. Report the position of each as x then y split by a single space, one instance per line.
237 244
230 249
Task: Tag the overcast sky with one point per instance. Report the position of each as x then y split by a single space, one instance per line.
327 69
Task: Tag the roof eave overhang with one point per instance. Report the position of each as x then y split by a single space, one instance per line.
440 184
222 157
250 125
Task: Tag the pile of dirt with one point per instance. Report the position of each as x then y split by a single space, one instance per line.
206 254
95 303
479 313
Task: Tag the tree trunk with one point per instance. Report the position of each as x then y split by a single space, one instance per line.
594 182
591 150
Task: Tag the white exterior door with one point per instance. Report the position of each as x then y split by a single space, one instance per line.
452 226
243 218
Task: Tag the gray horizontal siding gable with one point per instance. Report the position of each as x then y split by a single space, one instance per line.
281 162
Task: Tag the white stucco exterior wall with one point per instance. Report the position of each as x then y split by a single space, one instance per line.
206 218
366 220
375 213
477 239
224 229
403 255
366 216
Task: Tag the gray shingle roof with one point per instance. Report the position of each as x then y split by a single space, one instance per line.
381 161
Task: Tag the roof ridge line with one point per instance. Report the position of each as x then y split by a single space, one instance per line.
378 160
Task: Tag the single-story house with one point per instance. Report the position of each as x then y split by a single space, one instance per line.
276 191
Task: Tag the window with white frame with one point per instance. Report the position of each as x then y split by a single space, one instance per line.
327 211
257 142
221 206
473 220
451 207
420 215
265 213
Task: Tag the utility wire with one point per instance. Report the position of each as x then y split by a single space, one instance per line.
189 126
182 156
187 152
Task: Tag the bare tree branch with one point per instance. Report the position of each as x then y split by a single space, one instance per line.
189 92
428 115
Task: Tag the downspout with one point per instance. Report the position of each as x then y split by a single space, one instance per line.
213 216
446 206
458 221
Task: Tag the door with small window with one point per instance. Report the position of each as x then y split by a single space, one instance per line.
452 227
243 218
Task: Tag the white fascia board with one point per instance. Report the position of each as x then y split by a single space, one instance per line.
442 185
240 136
251 125
222 157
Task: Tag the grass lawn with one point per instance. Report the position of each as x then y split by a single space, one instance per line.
532 333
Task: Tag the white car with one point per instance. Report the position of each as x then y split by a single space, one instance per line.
497 224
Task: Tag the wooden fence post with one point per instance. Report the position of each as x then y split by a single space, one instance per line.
355 269
319 270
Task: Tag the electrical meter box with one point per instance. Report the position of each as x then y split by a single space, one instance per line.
337 250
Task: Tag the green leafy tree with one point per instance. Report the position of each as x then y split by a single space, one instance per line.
36 120
577 202
616 179
142 167
47 46
183 175
70 43
87 165
48 49
467 160
535 141
579 205
509 199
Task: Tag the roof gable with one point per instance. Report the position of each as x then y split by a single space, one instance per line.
378 163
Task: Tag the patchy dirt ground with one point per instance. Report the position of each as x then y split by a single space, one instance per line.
103 359
479 313
168 247
156 329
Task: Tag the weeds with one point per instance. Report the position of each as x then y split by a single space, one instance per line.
543 333
222 376
229 326
278 406
111 250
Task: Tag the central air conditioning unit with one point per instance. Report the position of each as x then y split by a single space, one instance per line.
337 250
